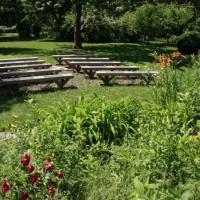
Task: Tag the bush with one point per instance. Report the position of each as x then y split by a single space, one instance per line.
8 30
189 43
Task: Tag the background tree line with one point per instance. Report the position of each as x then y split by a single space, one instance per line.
101 20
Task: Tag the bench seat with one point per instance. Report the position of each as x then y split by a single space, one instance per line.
21 62
59 58
77 65
30 72
59 79
91 70
34 66
107 76
18 59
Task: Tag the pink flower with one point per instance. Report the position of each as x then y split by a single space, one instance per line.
25 159
48 167
51 189
4 187
6 180
24 196
30 168
59 174
34 177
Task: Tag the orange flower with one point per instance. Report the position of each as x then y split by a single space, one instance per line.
175 54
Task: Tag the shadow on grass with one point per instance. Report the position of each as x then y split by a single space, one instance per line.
19 97
124 52
12 51
9 99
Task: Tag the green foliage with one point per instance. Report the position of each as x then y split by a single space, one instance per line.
163 20
8 30
125 30
189 42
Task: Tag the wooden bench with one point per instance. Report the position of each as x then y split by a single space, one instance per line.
107 76
30 72
59 58
18 59
91 70
33 66
88 59
21 62
59 79
77 65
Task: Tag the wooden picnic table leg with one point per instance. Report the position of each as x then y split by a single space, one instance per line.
59 60
78 68
147 78
90 73
61 83
106 79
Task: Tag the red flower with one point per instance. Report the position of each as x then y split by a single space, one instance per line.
24 196
25 159
46 161
4 187
34 177
51 189
48 167
59 174
30 168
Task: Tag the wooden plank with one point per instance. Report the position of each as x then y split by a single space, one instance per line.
59 58
103 63
34 66
75 55
21 62
91 70
60 79
29 72
102 68
18 59
85 59
127 73
77 65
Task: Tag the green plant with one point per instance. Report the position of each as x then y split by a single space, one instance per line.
189 42
169 83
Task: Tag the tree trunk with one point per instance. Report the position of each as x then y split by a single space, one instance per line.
77 28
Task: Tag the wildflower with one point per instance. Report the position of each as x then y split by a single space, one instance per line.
48 167
25 159
4 187
24 196
34 177
6 180
175 54
46 160
51 189
59 174
30 168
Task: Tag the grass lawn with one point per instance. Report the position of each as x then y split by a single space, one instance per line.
127 53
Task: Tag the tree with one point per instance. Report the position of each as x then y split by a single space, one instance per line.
47 12
77 28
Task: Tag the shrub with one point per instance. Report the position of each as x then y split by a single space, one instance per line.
189 43
8 30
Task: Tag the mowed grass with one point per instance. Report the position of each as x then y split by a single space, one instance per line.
128 53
